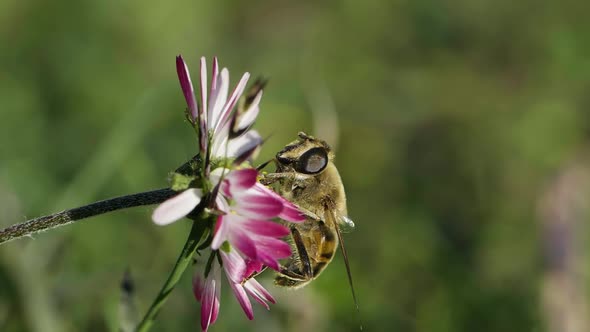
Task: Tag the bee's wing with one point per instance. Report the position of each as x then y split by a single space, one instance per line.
346 224
337 221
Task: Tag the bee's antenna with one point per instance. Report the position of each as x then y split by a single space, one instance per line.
267 138
264 164
345 256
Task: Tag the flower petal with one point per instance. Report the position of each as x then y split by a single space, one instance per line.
217 174
222 229
217 277
244 143
243 299
220 141
248 152
258 292
273 247
251 203
177 207
198 286
186 85
266 228
243 241
231 102
269 261
210 298
234 265
258 299
203 110
247 118
241 180
290 212
214 76
270 250
218 98
252 266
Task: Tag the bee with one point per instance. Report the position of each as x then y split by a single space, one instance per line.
306 176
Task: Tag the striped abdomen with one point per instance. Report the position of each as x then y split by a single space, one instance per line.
314 247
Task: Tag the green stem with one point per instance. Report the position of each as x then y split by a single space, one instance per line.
44 223
182 263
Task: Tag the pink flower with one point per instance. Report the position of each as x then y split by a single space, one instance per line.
246 223
246 226
207 292
252 240
214 114
238 273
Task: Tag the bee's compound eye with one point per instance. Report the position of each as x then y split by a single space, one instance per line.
313 161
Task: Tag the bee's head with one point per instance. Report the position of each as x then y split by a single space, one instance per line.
307 155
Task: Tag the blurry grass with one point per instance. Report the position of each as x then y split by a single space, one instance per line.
127 134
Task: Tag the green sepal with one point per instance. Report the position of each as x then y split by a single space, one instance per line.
180 182
221 162
225 247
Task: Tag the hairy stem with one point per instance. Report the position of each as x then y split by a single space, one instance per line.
68 216
182 263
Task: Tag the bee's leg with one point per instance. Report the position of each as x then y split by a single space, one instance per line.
255 274
292 275
307 213
271 178
297 271
285 281
288 274
305 267
286 277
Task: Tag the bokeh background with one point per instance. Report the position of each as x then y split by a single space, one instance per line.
461 129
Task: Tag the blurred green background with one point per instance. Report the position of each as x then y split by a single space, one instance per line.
461 130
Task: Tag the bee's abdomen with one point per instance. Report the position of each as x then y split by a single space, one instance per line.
327 243
319 242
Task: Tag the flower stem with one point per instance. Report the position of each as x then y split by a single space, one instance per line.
182 263
68 216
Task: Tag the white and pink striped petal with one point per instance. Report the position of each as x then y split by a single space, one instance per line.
290 212
259 293
219 92
247 118
177 207
187 86
254 205
239 181
207 292
243 143
224 114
